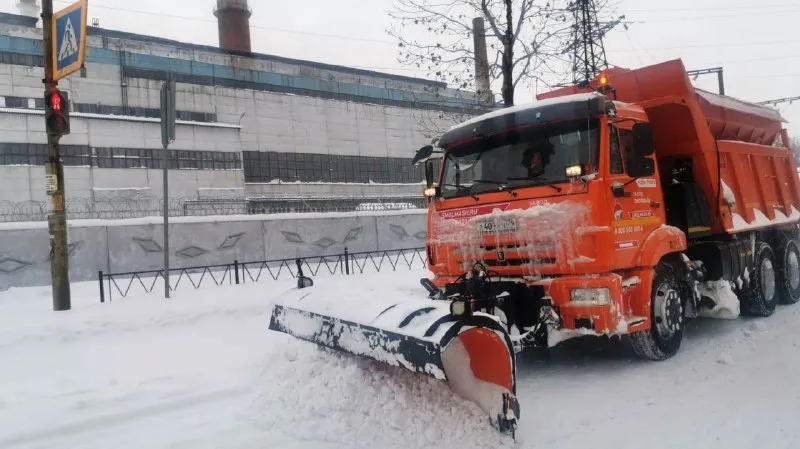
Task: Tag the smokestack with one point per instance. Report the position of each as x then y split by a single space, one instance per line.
233 18
482 81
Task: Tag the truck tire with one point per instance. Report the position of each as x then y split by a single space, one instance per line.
667 317
760 298
788 273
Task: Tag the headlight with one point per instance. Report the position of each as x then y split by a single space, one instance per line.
430 192
590 296
458 308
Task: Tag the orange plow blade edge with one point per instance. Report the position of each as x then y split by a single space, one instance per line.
473 354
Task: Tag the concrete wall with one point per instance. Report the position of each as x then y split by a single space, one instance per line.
136 245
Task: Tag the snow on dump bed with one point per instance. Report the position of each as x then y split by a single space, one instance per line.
735 104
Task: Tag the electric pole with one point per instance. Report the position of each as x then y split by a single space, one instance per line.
717 70
57 219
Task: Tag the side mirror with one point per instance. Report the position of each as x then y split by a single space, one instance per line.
643 139
428 173
423 154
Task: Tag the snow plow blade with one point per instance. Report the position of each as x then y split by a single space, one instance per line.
474 354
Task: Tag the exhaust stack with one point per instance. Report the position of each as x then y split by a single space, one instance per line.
233 19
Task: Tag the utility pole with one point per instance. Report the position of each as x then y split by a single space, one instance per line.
168 118
717 70
57 220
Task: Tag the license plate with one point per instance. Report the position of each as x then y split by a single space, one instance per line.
495 226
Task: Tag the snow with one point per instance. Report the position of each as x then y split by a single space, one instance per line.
202 371
540 231
631 281
727 194
735 104
157 220
524 107
761 220
727 304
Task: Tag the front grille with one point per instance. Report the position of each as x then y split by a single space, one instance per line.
515 262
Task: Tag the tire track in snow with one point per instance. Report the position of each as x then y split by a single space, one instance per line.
103 422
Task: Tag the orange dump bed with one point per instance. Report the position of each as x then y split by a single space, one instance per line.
744 142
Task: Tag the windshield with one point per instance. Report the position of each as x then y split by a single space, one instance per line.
520 158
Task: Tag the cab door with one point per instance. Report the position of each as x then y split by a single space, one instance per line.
635 203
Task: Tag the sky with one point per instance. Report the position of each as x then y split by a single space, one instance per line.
757 44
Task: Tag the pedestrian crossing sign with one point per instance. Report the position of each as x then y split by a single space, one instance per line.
69 39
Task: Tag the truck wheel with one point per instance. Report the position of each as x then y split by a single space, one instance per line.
788 275
667 317
760 298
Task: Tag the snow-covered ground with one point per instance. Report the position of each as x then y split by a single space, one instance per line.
203 371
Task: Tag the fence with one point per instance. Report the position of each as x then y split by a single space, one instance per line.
121 208
236 273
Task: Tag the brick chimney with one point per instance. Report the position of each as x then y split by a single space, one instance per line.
233 18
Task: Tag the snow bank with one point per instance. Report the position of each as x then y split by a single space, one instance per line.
317 395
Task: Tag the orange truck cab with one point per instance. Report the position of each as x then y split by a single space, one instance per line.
626 206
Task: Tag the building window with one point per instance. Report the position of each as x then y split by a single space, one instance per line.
261 166
85 156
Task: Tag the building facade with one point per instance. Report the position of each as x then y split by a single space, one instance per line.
249 126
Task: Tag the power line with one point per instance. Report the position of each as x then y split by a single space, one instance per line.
394 43
717 16
214 21
407 69
714 8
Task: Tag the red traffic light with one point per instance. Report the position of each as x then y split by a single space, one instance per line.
57 112
55 101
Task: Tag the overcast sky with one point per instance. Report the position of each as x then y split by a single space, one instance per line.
757 43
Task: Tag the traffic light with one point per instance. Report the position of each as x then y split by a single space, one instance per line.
56 112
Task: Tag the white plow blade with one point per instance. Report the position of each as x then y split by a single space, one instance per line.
474 354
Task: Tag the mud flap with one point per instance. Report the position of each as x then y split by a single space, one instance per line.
473 355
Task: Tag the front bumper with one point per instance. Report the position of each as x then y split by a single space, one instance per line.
625 310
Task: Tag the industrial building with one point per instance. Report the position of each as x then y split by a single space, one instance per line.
251 126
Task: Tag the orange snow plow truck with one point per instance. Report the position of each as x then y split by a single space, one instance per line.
622 207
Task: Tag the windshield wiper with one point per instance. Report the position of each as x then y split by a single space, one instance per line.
460 189
502 186
557 188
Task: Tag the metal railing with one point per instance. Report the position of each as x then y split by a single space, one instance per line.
122 208
235 273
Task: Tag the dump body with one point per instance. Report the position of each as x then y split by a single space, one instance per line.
714 134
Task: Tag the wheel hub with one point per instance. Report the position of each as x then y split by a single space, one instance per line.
668 311
767 279
793 270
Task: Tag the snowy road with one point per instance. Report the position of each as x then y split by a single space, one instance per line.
202 371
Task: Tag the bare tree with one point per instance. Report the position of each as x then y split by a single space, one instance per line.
528 42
